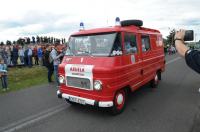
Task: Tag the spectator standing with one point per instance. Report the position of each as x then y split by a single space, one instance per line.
15 55
1 52
26 56
56 61
39 53
8 50
3 74
43 51
48 63
5 55
21 54
11 59
35 55
30 53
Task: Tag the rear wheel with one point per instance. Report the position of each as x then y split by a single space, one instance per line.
159 75
119 102
155 81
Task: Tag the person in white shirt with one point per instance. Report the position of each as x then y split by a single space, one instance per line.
30 53
21 54
56 61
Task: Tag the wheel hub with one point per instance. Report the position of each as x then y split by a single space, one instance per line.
156 78
120 99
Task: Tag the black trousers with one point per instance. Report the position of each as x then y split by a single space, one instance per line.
50 73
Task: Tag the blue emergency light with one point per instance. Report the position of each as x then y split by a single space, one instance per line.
81 26
117 21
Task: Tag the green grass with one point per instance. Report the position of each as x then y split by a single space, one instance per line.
24 77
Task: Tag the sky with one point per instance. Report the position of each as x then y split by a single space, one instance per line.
60 18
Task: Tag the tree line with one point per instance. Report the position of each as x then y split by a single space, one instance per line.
34 40
169 39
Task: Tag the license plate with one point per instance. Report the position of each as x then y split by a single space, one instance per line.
76 100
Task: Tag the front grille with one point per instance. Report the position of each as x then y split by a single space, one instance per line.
78 82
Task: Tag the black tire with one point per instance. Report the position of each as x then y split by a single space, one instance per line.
138 23
159 76
155 81
119 102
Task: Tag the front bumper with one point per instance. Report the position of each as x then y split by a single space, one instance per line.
87 101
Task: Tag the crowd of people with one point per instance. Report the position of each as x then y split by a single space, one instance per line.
46 54
24 55
170 50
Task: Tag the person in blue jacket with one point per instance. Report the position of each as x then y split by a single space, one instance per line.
40 55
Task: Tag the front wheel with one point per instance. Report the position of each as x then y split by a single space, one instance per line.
119 102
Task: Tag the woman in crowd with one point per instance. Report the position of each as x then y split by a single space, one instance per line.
3 75
21 54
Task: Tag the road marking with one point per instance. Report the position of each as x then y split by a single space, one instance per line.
32 119
175 59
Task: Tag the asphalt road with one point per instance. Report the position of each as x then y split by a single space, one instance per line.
173 107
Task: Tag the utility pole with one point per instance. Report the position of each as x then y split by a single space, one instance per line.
195 38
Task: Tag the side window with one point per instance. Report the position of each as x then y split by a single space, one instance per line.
145 43
130 43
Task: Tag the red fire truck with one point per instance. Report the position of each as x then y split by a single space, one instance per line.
103 65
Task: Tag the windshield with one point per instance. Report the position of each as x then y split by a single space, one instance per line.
94 44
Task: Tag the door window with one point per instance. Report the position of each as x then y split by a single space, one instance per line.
145 43
130 43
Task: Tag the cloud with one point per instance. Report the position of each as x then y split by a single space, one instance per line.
9 24
62 17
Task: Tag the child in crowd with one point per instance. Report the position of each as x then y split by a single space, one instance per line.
3 75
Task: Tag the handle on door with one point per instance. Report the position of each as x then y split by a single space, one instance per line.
142 72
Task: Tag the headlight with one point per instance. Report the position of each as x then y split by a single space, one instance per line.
97 85
61 79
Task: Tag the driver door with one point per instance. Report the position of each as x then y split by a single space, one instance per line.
132 59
